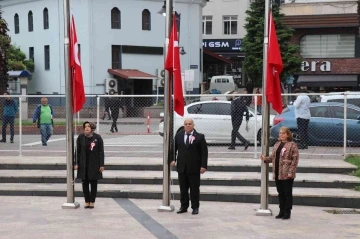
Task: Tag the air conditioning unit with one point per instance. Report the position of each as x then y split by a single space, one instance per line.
111 86
161 77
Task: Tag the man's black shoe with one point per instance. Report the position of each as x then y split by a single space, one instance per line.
11 141
3 141
286 216
182 210
195 211
247 145
281 214
232 148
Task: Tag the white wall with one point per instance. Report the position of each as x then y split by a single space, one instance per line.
318 7
219 8
45 81
96 37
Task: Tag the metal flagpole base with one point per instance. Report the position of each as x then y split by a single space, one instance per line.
263 212
70 205
170 208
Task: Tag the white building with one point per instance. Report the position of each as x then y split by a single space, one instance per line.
223 31
113 34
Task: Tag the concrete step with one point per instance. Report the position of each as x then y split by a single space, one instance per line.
333 166
329 197
156 178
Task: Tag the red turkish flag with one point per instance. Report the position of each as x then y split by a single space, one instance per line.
172 65
274 69
78 90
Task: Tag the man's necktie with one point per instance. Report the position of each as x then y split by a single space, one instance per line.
187 139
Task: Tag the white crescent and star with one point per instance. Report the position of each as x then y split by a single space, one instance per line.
76 54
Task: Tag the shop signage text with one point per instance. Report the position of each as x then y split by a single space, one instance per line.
324 66
222 44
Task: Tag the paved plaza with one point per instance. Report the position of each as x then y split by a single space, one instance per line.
43 218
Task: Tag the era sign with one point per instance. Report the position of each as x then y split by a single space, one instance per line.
324 66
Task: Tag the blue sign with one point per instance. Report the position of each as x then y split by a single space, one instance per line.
222 45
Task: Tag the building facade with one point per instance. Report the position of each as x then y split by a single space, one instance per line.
328 35
223 31
113 36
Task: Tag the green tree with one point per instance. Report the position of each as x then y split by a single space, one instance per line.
4 51
253 43
17 60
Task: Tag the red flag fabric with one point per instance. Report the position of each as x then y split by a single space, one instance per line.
78 90
274 69
172 65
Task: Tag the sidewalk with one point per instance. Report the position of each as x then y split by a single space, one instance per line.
42 217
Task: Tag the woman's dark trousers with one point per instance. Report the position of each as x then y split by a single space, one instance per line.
89 197
284 188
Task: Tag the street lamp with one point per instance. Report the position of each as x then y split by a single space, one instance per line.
163 10
182 52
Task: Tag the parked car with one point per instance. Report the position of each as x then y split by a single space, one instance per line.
326 125
336 97
213 118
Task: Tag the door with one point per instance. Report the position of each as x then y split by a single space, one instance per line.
352 125
206 119
225 112
320 126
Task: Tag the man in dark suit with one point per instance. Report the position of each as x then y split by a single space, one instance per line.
192 158
107 107
115 105
238 108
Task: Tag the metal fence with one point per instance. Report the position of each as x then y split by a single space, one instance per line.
132 125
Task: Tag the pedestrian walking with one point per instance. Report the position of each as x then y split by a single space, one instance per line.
191 160
238 108
89 162
43 119
259 100
284 158
302 115
107 107
115 105
10 109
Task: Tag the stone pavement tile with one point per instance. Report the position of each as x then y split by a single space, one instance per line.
42 217
237 220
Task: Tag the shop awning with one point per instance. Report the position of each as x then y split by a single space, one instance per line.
131 74
211 57
13 74
327 80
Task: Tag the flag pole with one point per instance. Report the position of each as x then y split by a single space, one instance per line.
264 194
70 204
168 112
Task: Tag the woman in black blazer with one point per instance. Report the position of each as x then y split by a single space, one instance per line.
89 161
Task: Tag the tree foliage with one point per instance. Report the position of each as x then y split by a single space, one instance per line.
253 43
4 51
17 60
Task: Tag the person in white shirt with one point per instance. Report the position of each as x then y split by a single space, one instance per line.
302 115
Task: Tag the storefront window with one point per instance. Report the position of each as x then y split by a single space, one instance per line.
327 46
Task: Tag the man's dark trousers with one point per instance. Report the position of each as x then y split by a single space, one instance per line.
192 181
235 133
8 120
303 125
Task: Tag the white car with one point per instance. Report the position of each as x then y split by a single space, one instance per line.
213 118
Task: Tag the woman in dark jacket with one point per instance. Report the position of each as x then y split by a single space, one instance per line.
285 158
89 161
